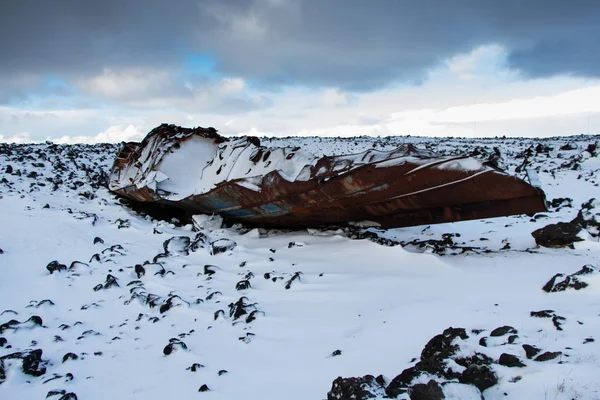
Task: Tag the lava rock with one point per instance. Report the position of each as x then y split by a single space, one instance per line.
588 217
443 342
547 356
175 344
222 246
139 271
480 376
503 330
70 356
572 281
204 388
509 360
366 387
243 285
429 391
55 266
558 235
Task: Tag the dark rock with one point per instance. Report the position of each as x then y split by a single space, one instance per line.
223 372
195 367
239 308
433 361
475 359
210 270
557 322
512 338
509 360
139 271
69 396
3 341
204 388
252 316
111 281
70 356
32 362
561 202
336 353
429 391
221 246
55 266
572 281
542 314
98 240
547 356
177 245
362 388
55 392
588 217
557 235
175 344
295 277
503 330
243 285
479 375
443 343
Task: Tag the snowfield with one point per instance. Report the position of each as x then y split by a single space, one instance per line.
99 301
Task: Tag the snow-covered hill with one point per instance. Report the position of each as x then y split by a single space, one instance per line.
98 301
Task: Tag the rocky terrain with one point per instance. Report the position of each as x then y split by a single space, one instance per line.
100 300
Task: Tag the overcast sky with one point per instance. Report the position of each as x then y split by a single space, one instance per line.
111 70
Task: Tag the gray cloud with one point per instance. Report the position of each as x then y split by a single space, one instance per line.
353 44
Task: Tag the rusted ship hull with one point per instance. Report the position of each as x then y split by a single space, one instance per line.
404 189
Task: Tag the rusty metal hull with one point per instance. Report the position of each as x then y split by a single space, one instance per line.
405 188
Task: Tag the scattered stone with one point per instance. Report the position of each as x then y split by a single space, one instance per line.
547 356
542 314
222 246
175 344
139 271
503 330
204 388
336 353
588 217
295 277
195 367
243 285
210 269
70 356
558 235
98 240
55 266
223 372
530 351
479 375
572 281
509 360
363 388
429 391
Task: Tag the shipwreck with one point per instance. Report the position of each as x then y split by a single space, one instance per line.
202 172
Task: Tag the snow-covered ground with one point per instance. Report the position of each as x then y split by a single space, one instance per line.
137 308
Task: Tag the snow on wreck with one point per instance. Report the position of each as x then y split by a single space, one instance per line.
202 172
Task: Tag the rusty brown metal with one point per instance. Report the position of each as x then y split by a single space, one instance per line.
404 187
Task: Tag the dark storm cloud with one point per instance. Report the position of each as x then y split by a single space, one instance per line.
354 44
